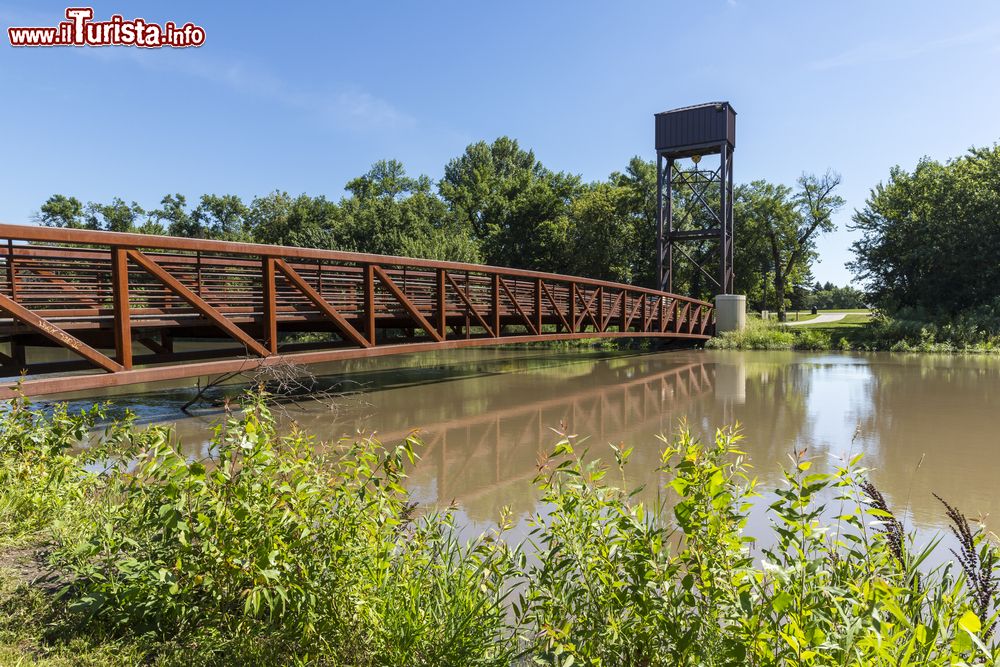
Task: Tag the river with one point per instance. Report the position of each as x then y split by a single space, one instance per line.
926 423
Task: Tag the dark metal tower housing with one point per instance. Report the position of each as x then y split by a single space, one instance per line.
683 137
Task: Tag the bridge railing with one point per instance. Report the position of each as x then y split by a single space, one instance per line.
90 291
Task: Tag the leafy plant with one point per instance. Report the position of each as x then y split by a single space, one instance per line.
812 339
758 335
39 477
618 582
277 550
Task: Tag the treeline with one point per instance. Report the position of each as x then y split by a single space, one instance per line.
930 240
830 297
498 204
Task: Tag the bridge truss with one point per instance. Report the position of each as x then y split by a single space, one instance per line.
121 303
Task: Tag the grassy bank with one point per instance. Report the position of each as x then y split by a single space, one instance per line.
761 335
277 551
860 331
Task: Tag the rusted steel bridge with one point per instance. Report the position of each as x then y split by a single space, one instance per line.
120 302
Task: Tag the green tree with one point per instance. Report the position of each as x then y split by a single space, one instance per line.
603 234
313 222
752 254
61 211
391 213
304 221
267 218
431 232
173 214
830 296
789 223
639 209
930 237
373 214
118 216
223 217
766 221
518 209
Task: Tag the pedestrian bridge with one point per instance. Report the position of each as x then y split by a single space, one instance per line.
134 308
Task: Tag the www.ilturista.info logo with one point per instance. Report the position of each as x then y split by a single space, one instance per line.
81 30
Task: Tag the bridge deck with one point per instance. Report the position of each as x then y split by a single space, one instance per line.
107 296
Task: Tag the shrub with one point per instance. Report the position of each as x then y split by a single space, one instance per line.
620 583
758 335
39 478
812 339
610 587
913 330
914 247
275 552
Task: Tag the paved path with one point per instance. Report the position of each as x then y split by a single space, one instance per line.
822 318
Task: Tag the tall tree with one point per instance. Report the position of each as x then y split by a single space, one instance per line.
223 217
766 218
174 216
603 235
267 218
930 238
374 212
517 208
639 208
118 216
391 213
61 211
779 228
752 259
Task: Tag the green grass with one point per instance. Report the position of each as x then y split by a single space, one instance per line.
803 316
771 335
849 320
850 327
28 615
862 330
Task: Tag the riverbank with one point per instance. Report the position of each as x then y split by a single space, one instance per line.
278 550
857 331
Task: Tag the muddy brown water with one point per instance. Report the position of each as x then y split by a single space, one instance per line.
926 423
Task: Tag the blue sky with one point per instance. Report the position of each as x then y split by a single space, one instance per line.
304 96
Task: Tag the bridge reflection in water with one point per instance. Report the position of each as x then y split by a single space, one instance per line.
925 422
485 417
486 460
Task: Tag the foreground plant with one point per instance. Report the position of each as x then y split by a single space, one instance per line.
39 477
273 552
278 551
674 583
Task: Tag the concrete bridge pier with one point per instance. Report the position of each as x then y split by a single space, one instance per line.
730 312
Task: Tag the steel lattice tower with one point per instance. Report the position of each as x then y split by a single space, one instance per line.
692 133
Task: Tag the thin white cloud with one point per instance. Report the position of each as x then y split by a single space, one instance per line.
348 108
889 51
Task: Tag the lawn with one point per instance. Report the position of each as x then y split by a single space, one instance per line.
852 327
